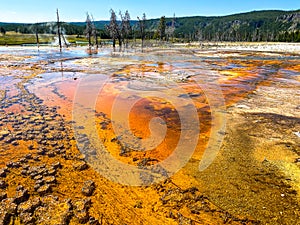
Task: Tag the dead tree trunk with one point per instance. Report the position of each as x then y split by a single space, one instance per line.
58 31
65 41
142 29
96 41
37 36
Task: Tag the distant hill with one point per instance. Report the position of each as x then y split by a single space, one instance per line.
99 24
267 25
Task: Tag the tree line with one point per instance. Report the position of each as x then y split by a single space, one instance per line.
121 31
270 25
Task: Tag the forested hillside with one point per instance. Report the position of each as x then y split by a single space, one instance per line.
269 25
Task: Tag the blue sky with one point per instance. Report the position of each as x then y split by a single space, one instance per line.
33 11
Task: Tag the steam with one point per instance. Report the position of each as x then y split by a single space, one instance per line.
49 31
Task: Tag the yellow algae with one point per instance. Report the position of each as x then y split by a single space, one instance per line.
240 187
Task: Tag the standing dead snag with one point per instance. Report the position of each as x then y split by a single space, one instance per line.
89 29
113 28
125 27
170 30
95 33
37 36
142 28
58 31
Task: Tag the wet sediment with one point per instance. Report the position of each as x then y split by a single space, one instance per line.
44 178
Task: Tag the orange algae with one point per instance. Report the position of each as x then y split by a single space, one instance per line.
236 83
112 202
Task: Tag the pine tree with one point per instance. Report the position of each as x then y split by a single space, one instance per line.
162 27
2 31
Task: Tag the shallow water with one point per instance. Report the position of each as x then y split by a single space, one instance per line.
139 106
156 85
129 76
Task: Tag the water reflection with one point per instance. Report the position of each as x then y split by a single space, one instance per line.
237 74
31 81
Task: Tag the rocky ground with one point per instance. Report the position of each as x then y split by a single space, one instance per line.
44 179
246 46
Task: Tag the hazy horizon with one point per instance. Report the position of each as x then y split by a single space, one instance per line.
33 11
107 19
